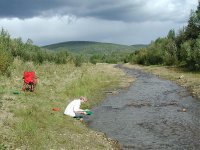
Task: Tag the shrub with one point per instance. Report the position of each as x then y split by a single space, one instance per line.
78 60
6 60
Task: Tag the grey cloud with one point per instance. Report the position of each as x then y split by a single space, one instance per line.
127 11
27 8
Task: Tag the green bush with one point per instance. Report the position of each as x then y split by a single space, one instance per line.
6 60
170 52
78 60
196 55
95 59
142 57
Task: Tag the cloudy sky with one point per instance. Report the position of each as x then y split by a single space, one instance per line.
114 21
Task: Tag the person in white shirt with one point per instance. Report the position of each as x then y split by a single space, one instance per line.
73 108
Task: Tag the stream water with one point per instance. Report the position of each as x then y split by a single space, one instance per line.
152 114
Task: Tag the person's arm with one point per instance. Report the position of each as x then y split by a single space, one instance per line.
81 111
78 110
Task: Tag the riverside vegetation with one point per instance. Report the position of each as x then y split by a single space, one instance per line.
180 50
27 119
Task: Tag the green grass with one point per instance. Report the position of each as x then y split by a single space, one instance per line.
27 119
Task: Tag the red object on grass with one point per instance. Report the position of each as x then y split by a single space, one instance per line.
55 109
30 81
29 77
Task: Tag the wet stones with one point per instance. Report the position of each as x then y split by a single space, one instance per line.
112 92
149 104
181 77
167 104
139 105
182 110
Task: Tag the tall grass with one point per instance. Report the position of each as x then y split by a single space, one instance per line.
27 119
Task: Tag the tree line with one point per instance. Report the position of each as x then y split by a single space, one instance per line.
16 48
181 49
26 51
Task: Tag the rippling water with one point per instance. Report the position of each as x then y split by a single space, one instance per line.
152 114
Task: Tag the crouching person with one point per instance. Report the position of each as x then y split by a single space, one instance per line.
73 108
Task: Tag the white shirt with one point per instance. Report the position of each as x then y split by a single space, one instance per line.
72 107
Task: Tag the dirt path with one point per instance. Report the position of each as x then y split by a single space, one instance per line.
152 114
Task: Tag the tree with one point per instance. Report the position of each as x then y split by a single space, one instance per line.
170 57
6 60
196 55
193 28
171 34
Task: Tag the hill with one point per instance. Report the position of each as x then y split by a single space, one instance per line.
138 46
89 47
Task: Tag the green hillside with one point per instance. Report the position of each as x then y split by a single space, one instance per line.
88 47
138 46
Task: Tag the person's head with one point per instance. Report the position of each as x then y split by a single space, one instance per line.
83 99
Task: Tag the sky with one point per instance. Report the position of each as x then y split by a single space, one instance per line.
126 22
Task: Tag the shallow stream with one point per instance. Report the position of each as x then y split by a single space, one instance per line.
152 114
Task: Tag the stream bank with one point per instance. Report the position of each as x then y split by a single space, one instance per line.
152 114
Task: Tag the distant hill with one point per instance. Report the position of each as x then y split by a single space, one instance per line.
140 45
89 47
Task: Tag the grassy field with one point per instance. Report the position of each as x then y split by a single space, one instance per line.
187 79
27 120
